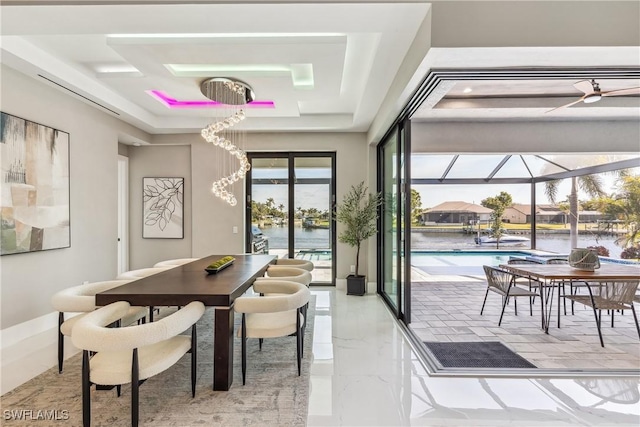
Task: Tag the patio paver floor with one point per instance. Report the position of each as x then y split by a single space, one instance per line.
449 310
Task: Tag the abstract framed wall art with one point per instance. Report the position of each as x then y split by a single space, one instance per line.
162 208
34 187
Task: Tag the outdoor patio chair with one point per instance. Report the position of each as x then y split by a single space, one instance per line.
522 280
503 282
609 296
573 286
557 261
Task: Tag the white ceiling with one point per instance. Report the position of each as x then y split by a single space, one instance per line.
361 57
115 54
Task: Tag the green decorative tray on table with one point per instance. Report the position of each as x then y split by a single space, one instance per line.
220 264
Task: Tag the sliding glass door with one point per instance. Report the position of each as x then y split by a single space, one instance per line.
290 203
394 234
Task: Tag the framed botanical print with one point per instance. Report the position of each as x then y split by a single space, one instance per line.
163 208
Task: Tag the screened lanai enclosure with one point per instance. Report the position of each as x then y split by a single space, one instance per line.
479 181
450 241
454 190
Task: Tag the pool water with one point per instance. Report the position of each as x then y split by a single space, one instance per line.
461 259
460 263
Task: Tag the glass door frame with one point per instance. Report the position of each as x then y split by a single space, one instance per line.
401 306
291 156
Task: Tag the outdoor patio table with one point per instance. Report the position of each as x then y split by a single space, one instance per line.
551 275
190 282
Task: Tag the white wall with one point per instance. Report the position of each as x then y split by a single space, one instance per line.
29 280
157 161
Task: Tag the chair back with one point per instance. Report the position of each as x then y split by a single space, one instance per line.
284 296
142 272
298 263
521 261
174 262
81 299
292 274
622 292
91 332
498 279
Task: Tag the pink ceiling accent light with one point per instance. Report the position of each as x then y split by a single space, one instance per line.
174 103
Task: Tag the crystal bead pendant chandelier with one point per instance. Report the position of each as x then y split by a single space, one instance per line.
232 94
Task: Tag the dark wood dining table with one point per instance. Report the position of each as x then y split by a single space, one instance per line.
190 282
552 275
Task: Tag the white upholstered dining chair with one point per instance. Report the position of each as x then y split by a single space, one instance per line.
174 262
293 274
278 314
81 299
135 353
298 263
141 273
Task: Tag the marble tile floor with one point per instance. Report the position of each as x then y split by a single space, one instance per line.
365 373
448 309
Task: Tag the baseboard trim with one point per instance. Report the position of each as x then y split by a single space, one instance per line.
372 287
22 331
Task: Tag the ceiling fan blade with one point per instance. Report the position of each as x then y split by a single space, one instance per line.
567 105
619 92
584 86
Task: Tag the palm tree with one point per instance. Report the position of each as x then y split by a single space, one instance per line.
270 202
625 206
591 184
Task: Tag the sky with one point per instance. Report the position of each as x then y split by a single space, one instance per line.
479 166
317 195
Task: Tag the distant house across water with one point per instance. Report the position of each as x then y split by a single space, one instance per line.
456 213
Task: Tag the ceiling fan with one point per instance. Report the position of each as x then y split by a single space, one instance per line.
592 93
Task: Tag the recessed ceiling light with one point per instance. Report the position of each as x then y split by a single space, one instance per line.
467 90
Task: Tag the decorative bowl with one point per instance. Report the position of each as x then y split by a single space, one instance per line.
584 259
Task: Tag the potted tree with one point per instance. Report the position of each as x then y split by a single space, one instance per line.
358 212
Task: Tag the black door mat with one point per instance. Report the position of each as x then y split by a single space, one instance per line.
476 355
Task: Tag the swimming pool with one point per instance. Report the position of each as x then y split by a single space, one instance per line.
463 258
462 263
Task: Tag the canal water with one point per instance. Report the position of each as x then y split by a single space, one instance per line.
558 243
